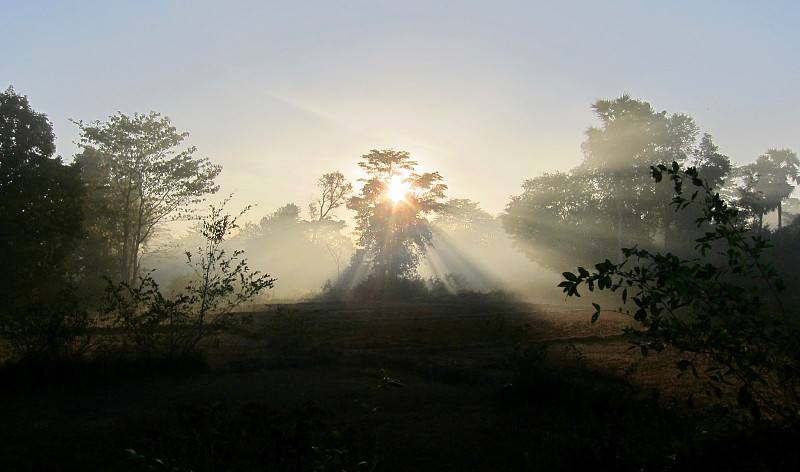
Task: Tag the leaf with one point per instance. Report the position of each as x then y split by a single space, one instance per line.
570 276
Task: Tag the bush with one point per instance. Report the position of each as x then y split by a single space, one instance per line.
46 328
711 308
173 326
378 287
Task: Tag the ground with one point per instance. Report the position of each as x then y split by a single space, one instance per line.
396 386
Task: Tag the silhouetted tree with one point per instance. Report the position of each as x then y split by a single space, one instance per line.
632 137
462 214
41 213
334 190
137 179
173 326
609 201
712 165
767 182
560 218
393 233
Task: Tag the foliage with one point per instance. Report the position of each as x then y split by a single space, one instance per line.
767 183
608 201
334 190
40 206
710 308
393 234
463 220
173 326
137 179
52 326
462 214
383 287
256 437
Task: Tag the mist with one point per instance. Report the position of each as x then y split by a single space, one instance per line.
399 236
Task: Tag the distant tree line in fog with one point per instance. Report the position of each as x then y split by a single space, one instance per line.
73 228
610 201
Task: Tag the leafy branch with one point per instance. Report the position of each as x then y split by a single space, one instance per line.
710 306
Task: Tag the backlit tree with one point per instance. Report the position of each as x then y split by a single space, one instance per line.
392 210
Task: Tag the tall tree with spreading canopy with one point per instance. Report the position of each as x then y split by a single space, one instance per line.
140 179
633 136
392 209
609 200
41 210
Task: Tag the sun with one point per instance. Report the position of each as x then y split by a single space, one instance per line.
397 189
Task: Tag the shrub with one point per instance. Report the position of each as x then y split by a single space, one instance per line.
173 326
47 327
711 307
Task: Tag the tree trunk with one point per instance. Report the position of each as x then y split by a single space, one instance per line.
618 204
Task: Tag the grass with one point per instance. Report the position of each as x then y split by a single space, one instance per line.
393 386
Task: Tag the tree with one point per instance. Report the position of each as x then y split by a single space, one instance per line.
142 179
325 230
632 137
560 218
768 182
712 165
391 210
608 200
41 209
334 190
462 214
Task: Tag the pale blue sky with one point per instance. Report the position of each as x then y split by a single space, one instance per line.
488 93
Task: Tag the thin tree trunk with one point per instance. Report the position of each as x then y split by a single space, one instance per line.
618 204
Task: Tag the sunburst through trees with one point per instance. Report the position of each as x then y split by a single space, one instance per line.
392 210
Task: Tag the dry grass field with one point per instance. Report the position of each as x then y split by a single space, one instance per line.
405 386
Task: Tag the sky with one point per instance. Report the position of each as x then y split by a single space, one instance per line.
487 93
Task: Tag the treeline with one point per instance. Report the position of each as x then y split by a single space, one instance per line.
610 201
73 236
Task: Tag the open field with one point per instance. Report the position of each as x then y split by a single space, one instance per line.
396 386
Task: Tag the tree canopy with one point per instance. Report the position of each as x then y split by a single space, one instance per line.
40 198
41 213
394 231
767 183
140 178
609 200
